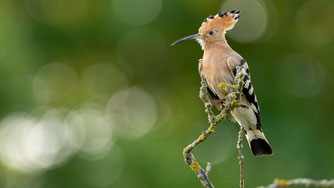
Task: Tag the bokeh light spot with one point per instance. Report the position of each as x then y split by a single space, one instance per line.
90 131
301 76
253 21
62 13
132 111
29 144
136 12
101 80
53 82
313 22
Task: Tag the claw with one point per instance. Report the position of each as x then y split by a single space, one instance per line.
217 103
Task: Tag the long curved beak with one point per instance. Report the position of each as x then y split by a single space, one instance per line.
196 36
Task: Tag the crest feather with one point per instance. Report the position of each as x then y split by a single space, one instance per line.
222 20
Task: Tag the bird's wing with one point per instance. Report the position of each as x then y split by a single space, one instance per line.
212 94
247 90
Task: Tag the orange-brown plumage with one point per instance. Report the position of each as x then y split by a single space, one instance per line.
218 66
216 50
223 21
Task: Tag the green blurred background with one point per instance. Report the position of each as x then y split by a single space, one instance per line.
93 96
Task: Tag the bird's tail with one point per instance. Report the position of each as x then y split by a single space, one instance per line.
258 143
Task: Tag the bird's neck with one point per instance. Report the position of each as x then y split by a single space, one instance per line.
216 45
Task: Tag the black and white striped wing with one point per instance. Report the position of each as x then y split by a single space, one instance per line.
248 89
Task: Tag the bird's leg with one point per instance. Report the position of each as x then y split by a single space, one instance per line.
216 102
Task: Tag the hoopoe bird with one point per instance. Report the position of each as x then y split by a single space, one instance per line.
219 64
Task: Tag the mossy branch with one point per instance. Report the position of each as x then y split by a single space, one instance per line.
232 101
300 181
241 157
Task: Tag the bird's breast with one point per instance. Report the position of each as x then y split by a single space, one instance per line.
216 71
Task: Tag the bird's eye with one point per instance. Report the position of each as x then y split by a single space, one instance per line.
211 33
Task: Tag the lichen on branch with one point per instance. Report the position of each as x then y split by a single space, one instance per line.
232 101
300 181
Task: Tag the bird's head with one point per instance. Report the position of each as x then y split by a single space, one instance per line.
213 28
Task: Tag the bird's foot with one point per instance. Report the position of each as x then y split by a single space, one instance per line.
217 103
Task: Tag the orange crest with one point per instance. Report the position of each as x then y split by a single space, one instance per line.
223 21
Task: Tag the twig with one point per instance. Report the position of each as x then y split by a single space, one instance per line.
208 169
241 157
300 181
232 101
